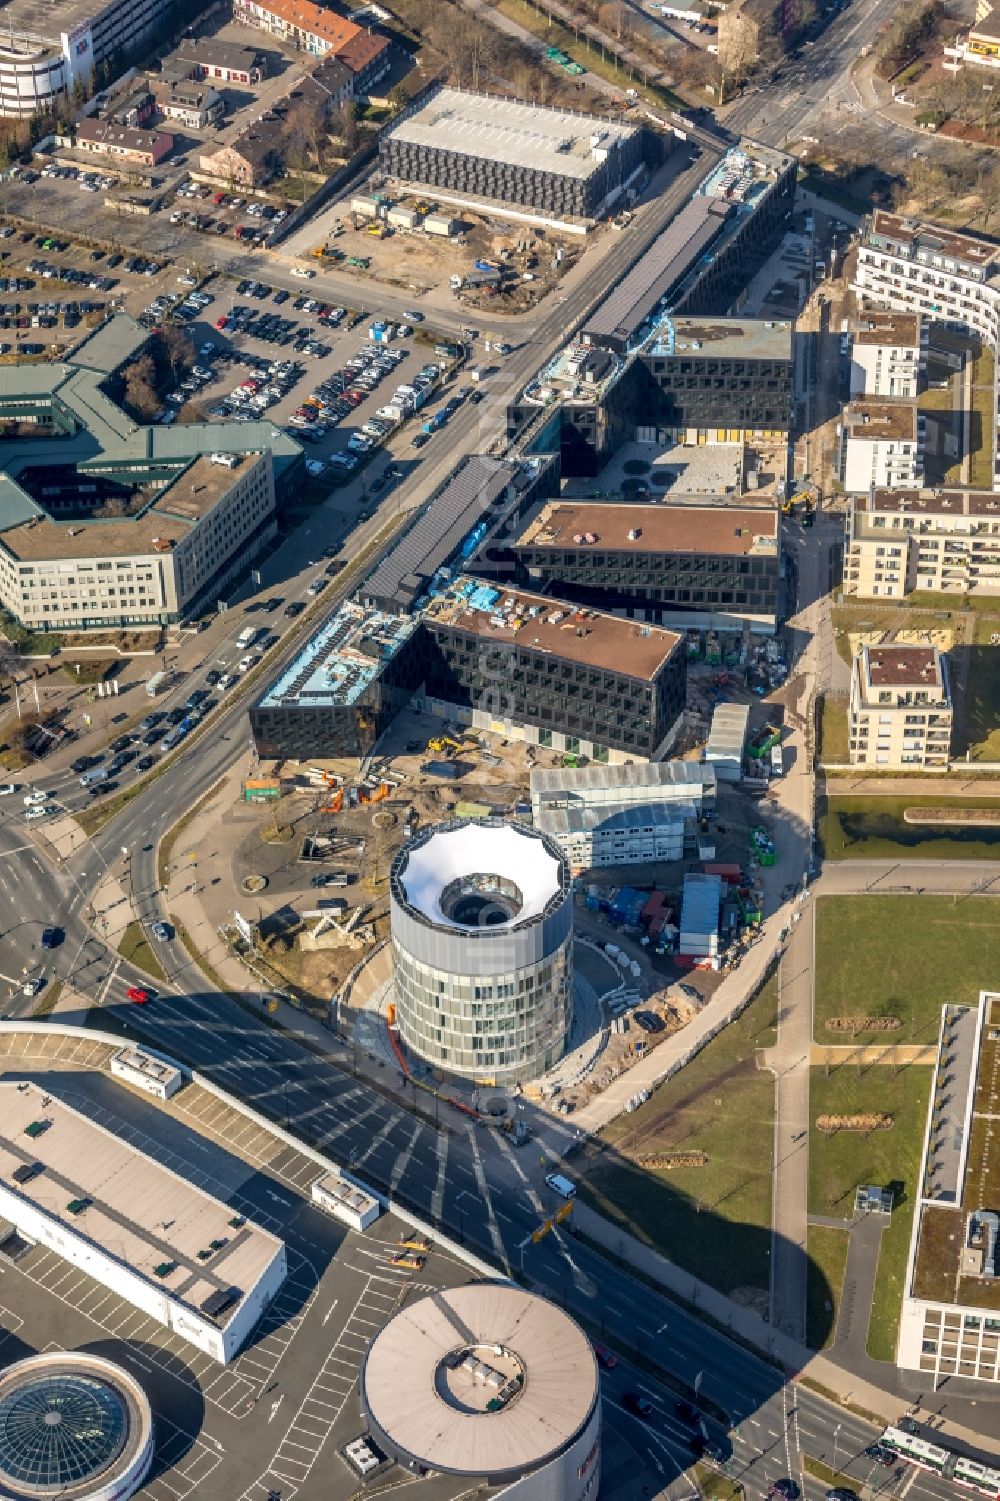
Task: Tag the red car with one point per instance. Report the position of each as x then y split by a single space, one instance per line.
222 322
605 1357
140 997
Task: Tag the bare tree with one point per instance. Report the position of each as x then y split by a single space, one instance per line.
177 348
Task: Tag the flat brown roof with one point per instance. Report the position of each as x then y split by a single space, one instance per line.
728 530
934 237
930 502
177 508
888 328
903 666
875 420
550 627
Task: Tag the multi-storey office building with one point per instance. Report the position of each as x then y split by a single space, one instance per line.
198 526
882 444
948 1323
553 162
524 666
533 668
624 373
888 355
707 253
946 541
685 565
44 51
900 711
720 379
481 914
342 691
104 523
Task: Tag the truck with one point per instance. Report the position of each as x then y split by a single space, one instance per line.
247 637
777 761
156 682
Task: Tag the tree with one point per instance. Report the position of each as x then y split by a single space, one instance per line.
177 348
347 128
398 98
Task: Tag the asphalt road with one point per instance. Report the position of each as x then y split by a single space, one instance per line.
468 1180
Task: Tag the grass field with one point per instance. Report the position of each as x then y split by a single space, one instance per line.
714 1220
980 733
865 828
903 956
827 1250
837 1164
981 425
135 948
833 739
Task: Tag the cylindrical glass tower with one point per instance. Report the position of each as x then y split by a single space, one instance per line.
482 924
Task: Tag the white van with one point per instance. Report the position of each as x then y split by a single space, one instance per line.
560 1185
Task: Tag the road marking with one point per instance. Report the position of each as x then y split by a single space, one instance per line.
274 1407
326 1316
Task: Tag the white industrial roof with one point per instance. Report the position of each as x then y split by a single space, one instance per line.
504 130
408 1398
475 849
138 1212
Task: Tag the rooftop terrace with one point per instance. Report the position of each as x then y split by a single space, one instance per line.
604 526
544 626
342 660
723 338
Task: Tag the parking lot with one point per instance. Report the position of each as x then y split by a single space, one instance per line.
275 1419
310 366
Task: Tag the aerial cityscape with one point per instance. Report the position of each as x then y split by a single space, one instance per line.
499 750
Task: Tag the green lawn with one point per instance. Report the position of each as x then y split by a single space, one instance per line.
135 948
827 1249
903 956
981 426
866 828
981 703
714 1220
837 1164
833 739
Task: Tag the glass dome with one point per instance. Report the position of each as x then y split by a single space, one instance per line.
56 1431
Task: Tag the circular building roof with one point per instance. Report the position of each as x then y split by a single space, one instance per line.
70 1426
480 873
484 1379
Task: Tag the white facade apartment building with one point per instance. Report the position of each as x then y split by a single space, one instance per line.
946 541
910 266
900 712
882 444
888 355
144 569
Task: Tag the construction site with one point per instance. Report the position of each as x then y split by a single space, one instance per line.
661 912
412 242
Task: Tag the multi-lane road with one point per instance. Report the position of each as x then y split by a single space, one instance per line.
468 1180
